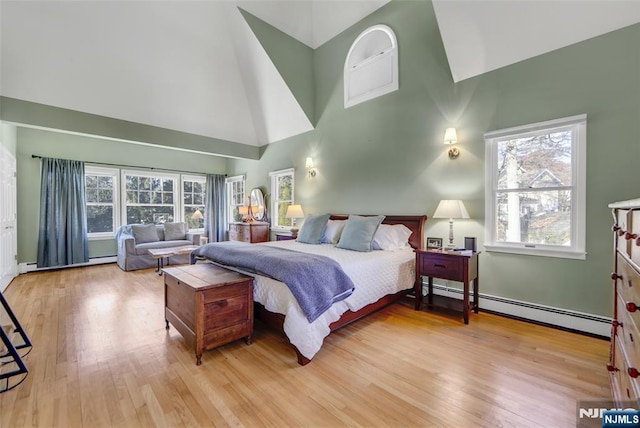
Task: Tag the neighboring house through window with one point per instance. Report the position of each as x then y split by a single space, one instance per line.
282 191
235 196
535 189
101 193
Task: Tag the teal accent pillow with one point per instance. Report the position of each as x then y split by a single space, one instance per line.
145 233
175 231
313 229
358 233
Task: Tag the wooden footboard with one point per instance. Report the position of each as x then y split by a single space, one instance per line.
276 321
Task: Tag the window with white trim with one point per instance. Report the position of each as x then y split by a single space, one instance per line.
536 189
101 194
235 196
282 191
193 201
150 197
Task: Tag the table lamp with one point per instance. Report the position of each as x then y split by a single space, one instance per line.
294 212
451 208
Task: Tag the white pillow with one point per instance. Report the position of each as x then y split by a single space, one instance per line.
333 231
391 237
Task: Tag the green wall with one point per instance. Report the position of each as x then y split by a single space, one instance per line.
67 146
387 155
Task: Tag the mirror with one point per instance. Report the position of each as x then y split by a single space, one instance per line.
257 208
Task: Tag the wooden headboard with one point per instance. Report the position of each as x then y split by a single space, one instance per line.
413 222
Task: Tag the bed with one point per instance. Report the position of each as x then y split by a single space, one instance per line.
380 278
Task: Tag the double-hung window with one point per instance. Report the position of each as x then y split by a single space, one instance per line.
535 189
235 197
101 193
193 196
282 187
150 198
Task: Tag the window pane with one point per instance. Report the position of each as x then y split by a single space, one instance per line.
282 210
91 181
99 218
144 197
105 182
105 195
188 199
535 162
132 182
144 183
91 194
198 187
167 185
149 214
167 198
542 217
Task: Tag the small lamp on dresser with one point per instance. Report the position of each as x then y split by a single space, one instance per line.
451 208
294 212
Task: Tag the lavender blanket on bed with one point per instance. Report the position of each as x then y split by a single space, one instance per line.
315 281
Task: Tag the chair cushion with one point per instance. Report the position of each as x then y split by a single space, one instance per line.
145 233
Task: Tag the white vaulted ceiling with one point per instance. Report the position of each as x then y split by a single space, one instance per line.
197 67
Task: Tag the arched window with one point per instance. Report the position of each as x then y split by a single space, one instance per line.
371 67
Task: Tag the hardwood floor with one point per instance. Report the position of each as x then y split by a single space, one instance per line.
102 357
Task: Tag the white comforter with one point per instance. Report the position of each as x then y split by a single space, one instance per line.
375 274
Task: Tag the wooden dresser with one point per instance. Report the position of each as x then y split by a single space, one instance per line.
249 232
624 364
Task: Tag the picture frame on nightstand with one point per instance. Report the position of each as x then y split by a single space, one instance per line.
434 243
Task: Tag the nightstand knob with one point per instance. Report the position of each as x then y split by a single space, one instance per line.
611 368
615 276
629 236
617 323
633 372
631 307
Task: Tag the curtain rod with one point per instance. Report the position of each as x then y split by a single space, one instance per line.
134 166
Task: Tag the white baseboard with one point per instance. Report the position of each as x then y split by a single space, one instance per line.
564 318
33 267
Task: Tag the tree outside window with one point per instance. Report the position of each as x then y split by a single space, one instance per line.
150 199
282 195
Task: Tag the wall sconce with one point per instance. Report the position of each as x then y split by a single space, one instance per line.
310 169
451 137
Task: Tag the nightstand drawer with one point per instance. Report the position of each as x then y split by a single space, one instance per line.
442 266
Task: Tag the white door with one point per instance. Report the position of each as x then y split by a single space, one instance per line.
8 232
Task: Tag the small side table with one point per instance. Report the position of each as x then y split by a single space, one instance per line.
449 265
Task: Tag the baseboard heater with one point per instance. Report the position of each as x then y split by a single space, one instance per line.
33 267
593 325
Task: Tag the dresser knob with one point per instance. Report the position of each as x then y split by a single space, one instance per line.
615 228
621 232
638 242
629 236
633 372
611 368
615 276
631 307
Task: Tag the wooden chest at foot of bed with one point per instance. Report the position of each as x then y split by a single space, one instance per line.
209 305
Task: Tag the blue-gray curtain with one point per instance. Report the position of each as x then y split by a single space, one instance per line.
62 238
215 216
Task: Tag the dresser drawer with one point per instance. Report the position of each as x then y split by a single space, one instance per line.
628 284
627 332
624 387
635 242
442 266
623 226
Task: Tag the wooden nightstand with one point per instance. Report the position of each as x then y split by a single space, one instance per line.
452 266
285 237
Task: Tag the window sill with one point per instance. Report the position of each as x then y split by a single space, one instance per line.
541 252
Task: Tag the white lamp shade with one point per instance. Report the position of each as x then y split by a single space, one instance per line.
294 211
243 210
197 215
451 208
450 136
